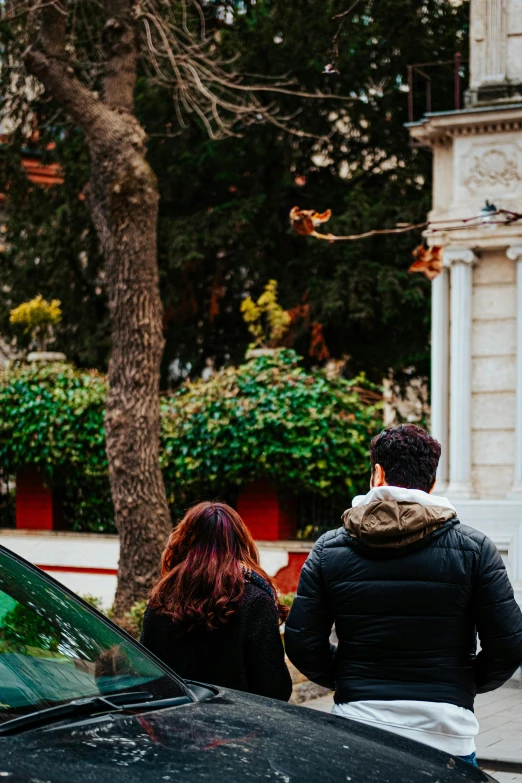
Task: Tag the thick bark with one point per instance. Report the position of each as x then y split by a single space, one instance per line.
124 203
123 198
119 38
53 28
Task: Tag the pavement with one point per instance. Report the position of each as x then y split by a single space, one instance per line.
499 743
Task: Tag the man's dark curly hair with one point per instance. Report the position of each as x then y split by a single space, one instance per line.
408 455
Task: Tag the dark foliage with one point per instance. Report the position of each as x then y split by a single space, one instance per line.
223 228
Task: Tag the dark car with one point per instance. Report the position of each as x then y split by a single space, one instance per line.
82 702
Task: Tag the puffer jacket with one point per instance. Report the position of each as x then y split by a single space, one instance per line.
408 588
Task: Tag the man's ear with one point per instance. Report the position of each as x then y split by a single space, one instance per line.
378 476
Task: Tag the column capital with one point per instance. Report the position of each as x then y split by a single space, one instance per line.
459 255
514 253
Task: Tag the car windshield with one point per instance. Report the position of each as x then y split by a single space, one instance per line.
53 648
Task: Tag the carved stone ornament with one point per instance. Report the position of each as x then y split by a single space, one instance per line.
493 168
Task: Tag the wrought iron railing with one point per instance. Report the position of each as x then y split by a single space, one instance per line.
447 96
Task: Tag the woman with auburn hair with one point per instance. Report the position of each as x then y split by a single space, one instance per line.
214 615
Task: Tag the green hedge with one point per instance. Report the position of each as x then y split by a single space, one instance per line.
269 417
51 416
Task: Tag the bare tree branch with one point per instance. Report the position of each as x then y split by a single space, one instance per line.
81 104
8 17
119 38
306 221
348 11
53 28
177 52
343 17
47 60
204 85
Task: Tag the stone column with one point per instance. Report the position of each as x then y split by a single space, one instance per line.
440 372
460 260
488 41
496 40
515 254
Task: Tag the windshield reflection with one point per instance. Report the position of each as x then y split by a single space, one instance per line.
54 649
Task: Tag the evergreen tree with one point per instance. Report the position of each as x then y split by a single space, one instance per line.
223 224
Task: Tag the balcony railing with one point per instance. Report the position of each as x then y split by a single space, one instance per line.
430 89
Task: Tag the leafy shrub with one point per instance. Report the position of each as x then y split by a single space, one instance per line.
134 618
95 602
51 416
287 599
267 418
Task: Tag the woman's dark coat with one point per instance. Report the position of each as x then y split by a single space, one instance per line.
246 653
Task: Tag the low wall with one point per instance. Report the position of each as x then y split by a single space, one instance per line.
88 563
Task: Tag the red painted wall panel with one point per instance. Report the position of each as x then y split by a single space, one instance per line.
35 509
271 515
287 578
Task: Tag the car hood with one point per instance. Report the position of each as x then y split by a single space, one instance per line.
232 738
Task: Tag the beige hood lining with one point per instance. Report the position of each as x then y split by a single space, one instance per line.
391 524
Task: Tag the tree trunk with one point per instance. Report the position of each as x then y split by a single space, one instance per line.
123 197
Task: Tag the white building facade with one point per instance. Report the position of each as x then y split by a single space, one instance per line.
476 386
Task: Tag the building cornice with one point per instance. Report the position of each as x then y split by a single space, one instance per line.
440 128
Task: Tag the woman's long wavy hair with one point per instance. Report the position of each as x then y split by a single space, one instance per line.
204 567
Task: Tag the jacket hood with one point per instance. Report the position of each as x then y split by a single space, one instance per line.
394 517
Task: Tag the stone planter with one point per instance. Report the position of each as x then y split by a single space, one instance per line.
46 356
255 353
269 512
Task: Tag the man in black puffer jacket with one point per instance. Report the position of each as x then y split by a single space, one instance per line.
408 588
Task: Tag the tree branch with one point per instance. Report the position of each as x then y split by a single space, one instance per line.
119 39
47 60
53 28
8 17
343 17
81 104
202 84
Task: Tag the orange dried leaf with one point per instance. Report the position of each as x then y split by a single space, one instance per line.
305 221
322 217
428 261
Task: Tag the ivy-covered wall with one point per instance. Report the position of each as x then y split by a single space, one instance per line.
268 417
